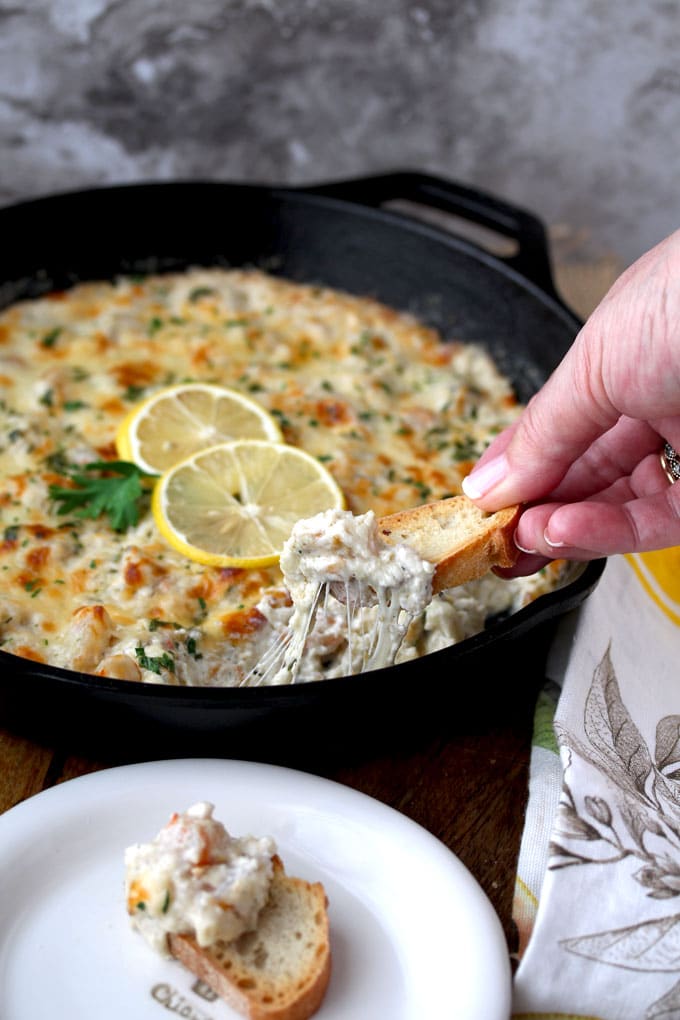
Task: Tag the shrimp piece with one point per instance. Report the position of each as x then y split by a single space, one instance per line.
119 667
89 635
198 837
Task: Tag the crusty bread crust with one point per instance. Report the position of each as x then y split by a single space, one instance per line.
282 969
462 541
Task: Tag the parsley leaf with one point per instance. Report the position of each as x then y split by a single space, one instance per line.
155 663
50 339
111 487
200 292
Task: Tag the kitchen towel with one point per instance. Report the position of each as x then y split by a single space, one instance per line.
597 898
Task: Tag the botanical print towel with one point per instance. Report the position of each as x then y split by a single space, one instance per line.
598 887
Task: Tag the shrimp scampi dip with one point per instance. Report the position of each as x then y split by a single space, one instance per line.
396 413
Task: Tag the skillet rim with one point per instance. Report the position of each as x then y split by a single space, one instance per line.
544 609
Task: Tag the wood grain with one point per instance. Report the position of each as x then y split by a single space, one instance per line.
24 767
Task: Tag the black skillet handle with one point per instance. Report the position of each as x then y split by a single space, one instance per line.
531 258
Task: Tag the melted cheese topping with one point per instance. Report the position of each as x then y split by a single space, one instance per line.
397 415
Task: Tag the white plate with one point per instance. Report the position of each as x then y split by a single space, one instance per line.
412 934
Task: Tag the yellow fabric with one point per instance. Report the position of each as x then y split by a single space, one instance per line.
659 574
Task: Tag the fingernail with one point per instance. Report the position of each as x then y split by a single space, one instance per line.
551 543
525 549
482 479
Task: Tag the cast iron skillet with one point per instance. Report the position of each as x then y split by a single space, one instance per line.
341 235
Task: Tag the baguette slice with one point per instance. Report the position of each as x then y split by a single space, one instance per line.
462 541
281 970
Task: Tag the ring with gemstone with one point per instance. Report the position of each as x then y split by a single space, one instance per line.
670 462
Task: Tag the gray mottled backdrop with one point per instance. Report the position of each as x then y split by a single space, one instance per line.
569 109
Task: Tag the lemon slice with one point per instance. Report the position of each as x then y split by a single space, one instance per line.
235 504
172 424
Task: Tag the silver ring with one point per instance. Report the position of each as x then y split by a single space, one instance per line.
670 462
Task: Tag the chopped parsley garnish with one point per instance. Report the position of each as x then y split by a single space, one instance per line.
50 339
283 420
155 623
192 648
200 292
155 663
202 610
424 490
103 487
58 462
465 449
134 392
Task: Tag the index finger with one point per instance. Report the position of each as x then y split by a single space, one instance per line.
558 425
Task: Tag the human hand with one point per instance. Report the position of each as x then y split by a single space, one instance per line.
584 455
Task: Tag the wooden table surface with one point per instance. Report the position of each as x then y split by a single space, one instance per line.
462 774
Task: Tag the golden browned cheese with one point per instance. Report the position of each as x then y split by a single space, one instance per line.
397 415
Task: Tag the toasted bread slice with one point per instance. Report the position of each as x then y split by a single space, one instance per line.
281 970
462 541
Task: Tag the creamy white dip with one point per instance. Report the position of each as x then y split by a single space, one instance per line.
195 878
337 569
397 412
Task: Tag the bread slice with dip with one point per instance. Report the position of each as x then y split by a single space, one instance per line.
462 541
281 969
225 908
